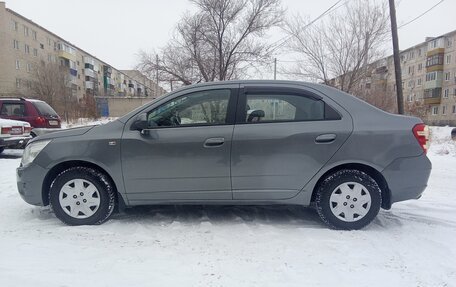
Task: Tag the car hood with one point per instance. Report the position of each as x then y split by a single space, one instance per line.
64 133
6 122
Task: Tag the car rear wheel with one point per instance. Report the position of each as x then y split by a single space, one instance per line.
2 149
82 196
348 199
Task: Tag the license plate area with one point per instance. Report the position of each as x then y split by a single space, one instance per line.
53 123
16 131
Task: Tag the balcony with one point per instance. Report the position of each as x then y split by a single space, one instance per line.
89 85
89 72
107 71
73 72
433 80
66 55
432 100
432 96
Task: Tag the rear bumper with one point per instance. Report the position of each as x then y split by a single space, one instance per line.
18 142
407 178
30 182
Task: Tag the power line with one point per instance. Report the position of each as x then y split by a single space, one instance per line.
286 38
421 15
399 27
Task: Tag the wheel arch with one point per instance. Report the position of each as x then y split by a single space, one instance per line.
58 168
374 173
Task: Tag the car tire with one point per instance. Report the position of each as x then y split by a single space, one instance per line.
82 196
348 199
2 149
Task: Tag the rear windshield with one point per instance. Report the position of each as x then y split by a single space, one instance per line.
45 109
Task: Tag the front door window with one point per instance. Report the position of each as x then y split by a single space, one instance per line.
199 108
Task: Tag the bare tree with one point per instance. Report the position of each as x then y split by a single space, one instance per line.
221 41
51 82
342 46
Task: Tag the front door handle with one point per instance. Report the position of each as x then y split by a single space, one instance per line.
214 142
325 138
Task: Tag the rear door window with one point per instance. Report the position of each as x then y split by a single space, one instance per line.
283 107
13 110
45 109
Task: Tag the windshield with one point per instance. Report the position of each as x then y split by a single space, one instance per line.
44 109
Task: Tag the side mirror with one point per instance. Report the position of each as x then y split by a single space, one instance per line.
140 123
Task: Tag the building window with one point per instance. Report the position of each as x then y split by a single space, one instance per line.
449 42
448 59
16 44
29 67
419 52
420 66
34 35
409 98
411 70
447 76
26 31
48 41
454 109
18 64
443 110
35 52
41 46
18 83
445 93
418 82
13 25
435 110
26 49
431 76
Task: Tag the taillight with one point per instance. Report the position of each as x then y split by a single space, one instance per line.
421 133
27 130
40 121
6 130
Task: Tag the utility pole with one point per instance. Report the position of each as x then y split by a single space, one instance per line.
275 68
397 61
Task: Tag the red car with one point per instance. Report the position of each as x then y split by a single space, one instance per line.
38 113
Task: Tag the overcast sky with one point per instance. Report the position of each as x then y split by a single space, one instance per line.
115 30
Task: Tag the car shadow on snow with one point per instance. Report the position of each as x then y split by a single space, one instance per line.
11 154
215 214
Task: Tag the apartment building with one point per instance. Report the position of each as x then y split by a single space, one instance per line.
428 80
25 44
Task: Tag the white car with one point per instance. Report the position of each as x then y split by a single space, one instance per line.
13 133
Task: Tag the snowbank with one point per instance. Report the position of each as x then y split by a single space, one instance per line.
441 142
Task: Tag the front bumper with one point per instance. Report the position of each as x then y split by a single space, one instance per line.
407 177
30 183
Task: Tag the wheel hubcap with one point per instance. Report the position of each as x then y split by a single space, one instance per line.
79 198
350 201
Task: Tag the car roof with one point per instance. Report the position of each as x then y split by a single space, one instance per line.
20 99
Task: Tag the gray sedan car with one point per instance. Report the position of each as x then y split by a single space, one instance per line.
240 142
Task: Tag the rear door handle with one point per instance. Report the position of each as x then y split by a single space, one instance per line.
214 142
325 138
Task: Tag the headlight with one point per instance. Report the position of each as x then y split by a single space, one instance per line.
32 150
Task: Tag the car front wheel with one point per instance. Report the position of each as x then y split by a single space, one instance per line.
82 196
348 199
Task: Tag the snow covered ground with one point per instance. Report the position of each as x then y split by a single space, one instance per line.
411 245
